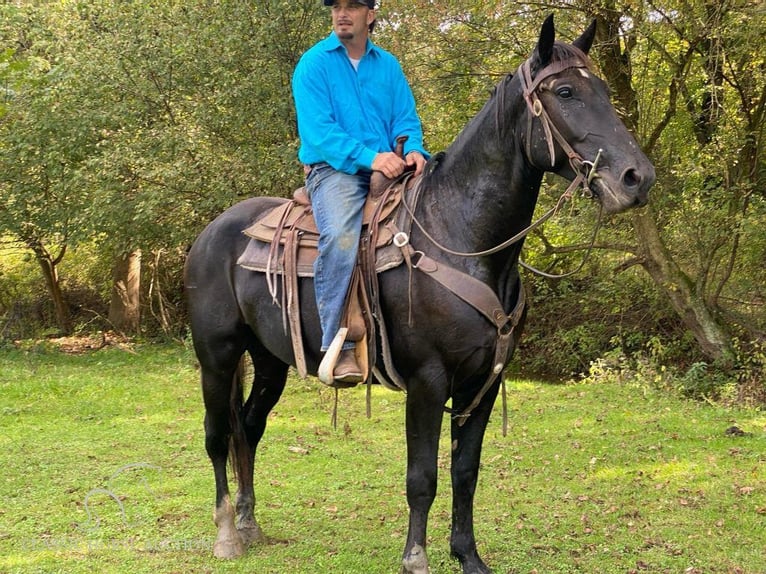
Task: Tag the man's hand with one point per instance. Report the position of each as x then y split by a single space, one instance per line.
416 158
389 164
392 166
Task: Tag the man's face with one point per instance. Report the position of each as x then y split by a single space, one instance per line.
350 19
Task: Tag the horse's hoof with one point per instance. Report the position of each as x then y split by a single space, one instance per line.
252 534
229 548
473 565
416 561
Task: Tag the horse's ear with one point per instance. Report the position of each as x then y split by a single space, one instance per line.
544 48
585 41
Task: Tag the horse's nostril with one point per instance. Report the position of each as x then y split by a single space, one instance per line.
631 178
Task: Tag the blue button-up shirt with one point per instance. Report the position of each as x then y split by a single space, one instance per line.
347 116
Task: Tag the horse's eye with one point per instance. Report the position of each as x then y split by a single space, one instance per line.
564 92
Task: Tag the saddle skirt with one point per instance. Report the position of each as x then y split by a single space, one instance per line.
284 245
291 226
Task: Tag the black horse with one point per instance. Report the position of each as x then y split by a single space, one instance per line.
552 115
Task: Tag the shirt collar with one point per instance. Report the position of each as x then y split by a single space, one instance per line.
332 42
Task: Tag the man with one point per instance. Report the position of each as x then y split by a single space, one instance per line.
352 102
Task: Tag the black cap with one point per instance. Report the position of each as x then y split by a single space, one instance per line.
369 3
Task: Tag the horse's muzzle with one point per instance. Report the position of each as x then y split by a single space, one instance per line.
638 182
630 189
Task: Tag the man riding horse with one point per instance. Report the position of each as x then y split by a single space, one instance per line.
470 211
352 101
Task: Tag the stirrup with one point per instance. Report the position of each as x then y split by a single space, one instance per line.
327 366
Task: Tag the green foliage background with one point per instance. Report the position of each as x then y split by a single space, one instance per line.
130 125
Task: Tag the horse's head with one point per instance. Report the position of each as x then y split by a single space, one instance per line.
573 129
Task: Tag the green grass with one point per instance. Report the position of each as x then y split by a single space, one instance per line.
104 470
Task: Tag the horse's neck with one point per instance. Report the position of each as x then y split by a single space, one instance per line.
483 192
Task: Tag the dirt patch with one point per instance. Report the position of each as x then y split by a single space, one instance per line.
81 344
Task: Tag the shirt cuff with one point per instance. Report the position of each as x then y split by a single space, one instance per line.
366 158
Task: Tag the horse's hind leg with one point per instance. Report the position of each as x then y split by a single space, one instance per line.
269 379
219 375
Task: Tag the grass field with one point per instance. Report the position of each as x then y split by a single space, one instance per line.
104 470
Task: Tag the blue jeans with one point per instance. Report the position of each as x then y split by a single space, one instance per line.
337 200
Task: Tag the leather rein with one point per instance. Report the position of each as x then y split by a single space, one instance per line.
586 170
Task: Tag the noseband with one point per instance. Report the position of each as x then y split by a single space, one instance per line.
585 170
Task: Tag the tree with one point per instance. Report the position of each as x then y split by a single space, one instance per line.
124 308
131 125
691 88
165 123
45 138
698 52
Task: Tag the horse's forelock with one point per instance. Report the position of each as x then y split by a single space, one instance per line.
563 52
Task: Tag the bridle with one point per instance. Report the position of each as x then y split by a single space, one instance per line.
585 170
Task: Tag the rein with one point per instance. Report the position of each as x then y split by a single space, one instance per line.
567 195
586 170
577 269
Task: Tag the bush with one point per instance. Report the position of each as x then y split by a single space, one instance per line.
575 322
701 382
745 385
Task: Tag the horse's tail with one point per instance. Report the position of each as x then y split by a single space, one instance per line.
238 447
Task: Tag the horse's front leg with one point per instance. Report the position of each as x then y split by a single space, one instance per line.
466 455
424 418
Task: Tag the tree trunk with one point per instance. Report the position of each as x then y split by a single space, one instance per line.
685 296
60 307
124 309
49 266
682 292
